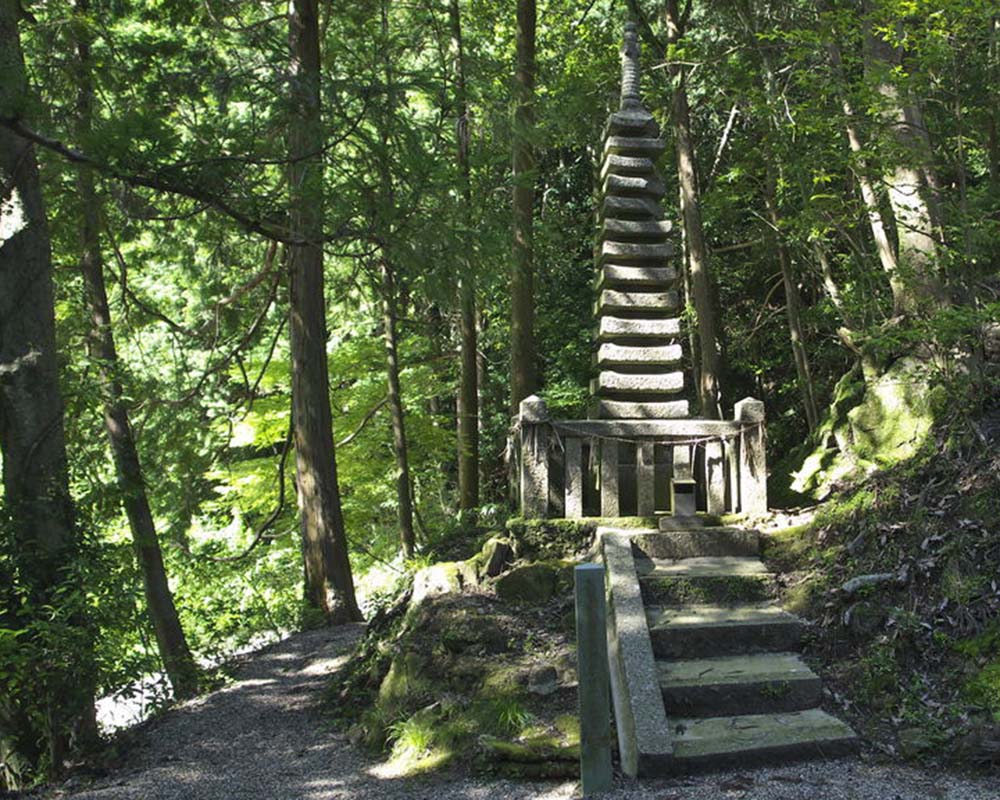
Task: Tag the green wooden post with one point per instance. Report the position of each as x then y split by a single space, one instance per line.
592 674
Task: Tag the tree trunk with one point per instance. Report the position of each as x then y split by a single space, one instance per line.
468 390
32 435
993 133
699 268
910 183
883 246
522 290
792 304
170 640
329 586
404 503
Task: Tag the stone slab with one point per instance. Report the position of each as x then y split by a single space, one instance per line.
630 275
608 381
735 741
713 630
629 354
635 146
634 186
626 165
649 429
637 230
701 566
698 542
648 410
644 739
631 208
633 121
634 252
613 300
743 684
615 327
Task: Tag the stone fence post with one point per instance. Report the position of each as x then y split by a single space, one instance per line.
593 679
534 446
753 464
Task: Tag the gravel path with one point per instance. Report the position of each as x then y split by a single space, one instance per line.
263 737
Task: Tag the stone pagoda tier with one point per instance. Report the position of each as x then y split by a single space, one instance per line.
638 353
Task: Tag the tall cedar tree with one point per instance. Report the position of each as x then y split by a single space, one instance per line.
522 286
32 433
329 584
468 389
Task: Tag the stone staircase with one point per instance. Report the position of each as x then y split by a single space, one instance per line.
731 687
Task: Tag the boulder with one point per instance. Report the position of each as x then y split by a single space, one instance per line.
528 583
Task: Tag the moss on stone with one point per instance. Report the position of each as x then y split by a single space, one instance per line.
552 538
874 424
720 589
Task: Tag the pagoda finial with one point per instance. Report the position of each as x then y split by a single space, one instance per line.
630 67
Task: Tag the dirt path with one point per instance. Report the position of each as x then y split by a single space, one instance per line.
263 737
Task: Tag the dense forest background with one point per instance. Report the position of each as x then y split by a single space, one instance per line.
261 238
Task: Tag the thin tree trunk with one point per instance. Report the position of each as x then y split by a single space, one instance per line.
329 586
389 290
910 183
32 434
792 305
883 246
522 290
993 134
468 390
170 639
404 503
699 268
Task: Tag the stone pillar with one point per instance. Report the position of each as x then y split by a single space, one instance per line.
753 464
715 478
645 478
534 446
593 680
609 478
574 478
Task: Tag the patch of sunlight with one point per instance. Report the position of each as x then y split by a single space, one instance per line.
13 220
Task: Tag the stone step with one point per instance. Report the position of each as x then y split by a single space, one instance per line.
714 541
641 208
613 300
634 186
635 252
618 328
635 230
625 409
634 146
740 741
744 684
626 165
700 566
719 580
611 354
665 383
699 631
630 275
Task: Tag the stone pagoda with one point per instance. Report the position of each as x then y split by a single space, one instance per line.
638 353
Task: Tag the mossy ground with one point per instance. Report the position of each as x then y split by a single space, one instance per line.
455 674
915 661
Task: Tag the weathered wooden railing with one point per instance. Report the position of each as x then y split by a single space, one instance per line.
613 468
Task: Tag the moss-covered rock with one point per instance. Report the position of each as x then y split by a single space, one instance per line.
870 424
536 582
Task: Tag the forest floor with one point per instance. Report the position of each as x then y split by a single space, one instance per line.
266 737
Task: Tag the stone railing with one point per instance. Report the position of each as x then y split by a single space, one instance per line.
616 468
